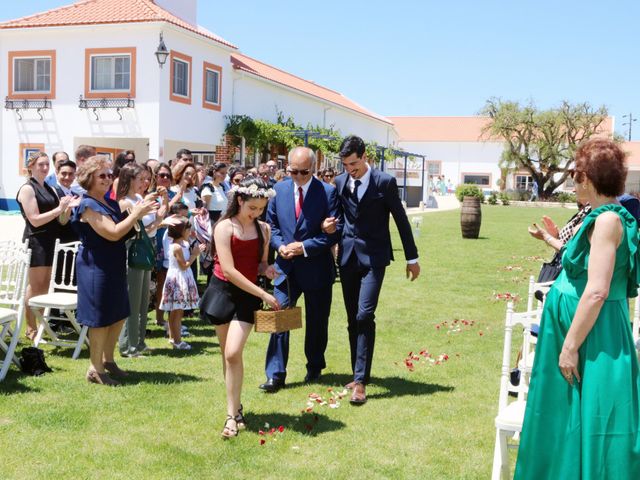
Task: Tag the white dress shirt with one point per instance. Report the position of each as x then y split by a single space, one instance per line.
296 196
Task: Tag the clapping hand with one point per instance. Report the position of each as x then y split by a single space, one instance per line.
551 227
536 232
148 205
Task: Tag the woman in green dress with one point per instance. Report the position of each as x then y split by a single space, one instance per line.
583 415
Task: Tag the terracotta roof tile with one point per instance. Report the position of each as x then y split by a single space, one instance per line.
255 67
94 12
450 129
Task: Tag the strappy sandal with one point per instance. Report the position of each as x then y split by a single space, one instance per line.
228 432
241 423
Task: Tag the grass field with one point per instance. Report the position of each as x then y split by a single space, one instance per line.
434 422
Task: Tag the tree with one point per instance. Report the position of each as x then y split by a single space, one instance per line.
543 142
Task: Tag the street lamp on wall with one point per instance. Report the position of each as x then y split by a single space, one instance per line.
162 53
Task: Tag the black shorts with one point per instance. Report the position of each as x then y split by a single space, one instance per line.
223 300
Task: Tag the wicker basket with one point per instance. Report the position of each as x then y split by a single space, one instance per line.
276 321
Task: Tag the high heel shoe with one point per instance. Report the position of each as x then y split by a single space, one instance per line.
227 431
241 423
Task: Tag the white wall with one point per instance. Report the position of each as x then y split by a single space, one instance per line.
154 119
192 123
459 158
262 99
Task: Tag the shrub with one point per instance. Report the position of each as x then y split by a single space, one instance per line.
493 199
566 197
504 198
468 190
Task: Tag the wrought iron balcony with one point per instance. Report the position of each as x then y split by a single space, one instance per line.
37 104
96 104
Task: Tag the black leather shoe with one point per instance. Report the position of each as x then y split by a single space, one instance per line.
312 378
272 385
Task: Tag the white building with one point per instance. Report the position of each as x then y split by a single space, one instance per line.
87 73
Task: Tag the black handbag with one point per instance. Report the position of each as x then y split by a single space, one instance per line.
142 255
550 270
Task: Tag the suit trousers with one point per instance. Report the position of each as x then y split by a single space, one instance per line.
361 287
317 304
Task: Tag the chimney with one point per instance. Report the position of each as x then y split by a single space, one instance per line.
186 10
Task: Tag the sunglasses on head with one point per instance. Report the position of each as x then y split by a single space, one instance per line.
104 176
164 175
299 172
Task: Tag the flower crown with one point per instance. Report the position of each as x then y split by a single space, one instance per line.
254 191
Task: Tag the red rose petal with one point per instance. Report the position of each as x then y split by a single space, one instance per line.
262 441
281 429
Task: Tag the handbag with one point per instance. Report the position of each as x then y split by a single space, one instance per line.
142 255
550 270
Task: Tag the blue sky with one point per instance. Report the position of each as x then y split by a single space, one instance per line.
445 58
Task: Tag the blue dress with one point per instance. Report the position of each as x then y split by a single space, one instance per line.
101 266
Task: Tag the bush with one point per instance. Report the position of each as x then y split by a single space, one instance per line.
566 197
493 199
504 198
469 190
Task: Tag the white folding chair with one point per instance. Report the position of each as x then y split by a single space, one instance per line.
63 297
511 414
14 271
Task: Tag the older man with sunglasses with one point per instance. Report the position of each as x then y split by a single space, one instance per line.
304 257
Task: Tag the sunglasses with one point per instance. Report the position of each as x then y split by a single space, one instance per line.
164 175
299 172
329 175
104 176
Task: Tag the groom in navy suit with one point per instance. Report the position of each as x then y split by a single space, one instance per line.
305 259
367 197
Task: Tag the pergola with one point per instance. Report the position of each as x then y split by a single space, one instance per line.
401 153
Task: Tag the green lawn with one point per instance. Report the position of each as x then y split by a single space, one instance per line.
433 422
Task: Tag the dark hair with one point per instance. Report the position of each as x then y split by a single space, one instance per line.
215 168
233 171
67 163
602 161
183 151
233 208
156 171
85 151
176 230
121 161
351 145
126 176
177 207
53 157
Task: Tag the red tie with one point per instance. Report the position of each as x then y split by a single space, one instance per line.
299 204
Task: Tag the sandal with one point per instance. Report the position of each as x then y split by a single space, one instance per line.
228 432
101 378
241 423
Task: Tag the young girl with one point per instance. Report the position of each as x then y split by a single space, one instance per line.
241 245
180 291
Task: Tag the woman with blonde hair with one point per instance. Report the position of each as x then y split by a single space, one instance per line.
43 212
101 266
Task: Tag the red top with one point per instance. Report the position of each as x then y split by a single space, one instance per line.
245 259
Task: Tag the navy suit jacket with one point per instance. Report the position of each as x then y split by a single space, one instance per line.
365 226
317 269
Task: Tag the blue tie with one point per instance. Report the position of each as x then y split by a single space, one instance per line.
357 183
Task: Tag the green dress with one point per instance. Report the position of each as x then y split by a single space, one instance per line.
590 430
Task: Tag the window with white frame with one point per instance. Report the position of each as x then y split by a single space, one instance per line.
32 75
111 72
180 78
212 89
523 182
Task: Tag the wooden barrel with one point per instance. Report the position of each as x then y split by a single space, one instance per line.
470 217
